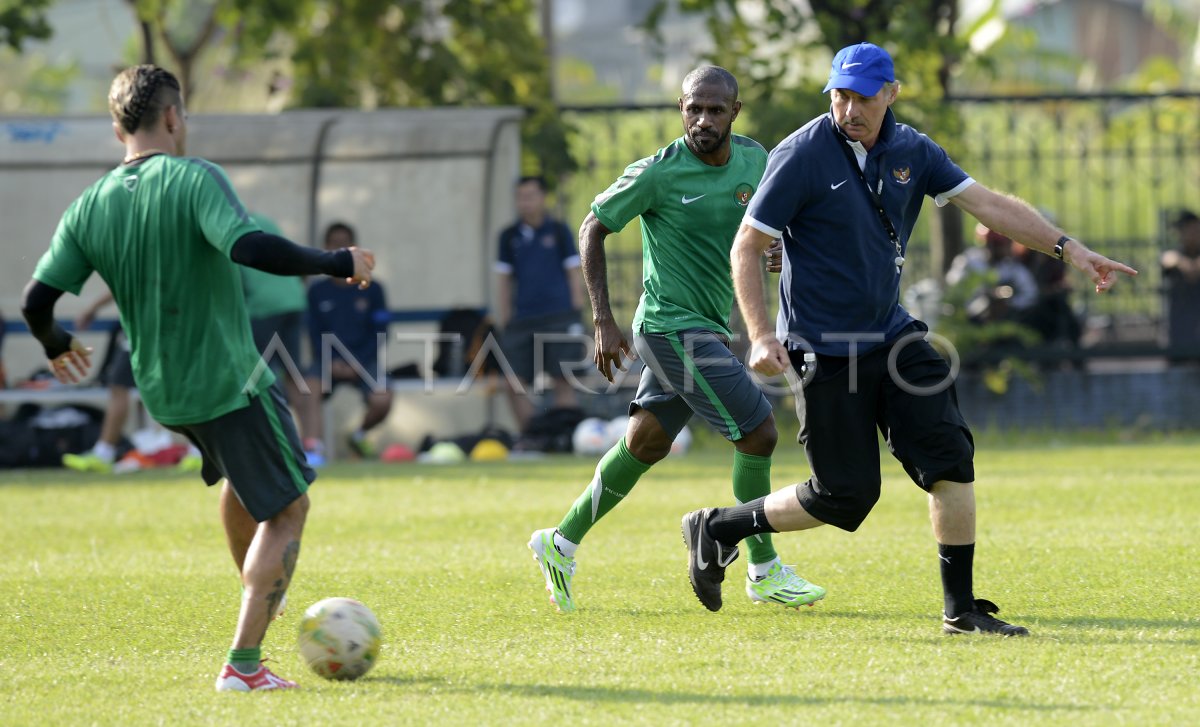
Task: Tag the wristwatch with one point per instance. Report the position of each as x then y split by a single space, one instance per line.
1058 246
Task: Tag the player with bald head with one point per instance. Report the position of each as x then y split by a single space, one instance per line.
690 196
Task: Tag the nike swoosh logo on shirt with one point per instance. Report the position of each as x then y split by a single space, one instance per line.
835 186
850 65
688 200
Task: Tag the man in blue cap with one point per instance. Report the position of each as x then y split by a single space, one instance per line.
844 192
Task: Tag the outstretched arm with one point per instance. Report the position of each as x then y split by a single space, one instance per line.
69 359
767 354
276 255
610 342
1015 218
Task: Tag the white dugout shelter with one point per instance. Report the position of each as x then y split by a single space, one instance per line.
427 189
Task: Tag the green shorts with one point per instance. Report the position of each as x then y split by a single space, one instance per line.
258 450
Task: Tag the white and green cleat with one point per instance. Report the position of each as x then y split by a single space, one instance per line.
781 585
557 569
87 462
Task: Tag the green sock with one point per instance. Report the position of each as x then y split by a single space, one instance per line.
245 661
616 475
752 480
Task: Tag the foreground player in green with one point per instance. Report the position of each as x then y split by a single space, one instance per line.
691 197
166 233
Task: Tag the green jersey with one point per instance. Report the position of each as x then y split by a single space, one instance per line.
267 294
690 214
159 233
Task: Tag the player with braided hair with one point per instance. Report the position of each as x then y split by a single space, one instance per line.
165 232
140 95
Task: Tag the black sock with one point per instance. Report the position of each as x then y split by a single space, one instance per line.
956 562
731 525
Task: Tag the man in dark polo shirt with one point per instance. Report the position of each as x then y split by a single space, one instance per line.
540 294
844 192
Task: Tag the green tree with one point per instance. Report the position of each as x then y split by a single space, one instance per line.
421 53
22 20
377 53
779 49
31 82
356 53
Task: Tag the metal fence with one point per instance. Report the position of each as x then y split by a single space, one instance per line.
1108 167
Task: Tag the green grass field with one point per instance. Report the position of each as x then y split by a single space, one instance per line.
120 597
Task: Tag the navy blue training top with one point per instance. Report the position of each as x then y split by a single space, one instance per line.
538 261
839 277
355 317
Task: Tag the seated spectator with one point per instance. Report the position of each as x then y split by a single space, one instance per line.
1051 316
1010 289
348 328
117 374
1181 287
276 304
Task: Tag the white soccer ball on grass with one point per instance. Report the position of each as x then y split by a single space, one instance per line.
591 437
683 441
340 638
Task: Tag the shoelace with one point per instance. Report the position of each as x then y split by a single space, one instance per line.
561 561
783 575
992 620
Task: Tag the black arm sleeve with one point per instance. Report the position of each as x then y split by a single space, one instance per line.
273 254
37 306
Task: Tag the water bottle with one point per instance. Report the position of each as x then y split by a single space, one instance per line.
809 368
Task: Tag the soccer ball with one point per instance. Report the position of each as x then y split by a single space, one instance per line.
616 428
340 638
591 437
683 442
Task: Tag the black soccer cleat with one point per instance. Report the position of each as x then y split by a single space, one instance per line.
707 559
981 621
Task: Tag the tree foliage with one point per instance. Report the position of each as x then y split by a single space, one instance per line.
22 20
779 49
422 53
358 53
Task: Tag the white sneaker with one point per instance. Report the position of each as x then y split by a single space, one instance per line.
556 568
781 585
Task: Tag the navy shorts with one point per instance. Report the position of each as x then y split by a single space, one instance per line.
915 408
366 385
694 371
559 339
118 369
257 449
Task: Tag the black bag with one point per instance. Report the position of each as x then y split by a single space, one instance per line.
34 439
472 328
550 431
16 442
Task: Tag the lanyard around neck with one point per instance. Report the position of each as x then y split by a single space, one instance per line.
876 200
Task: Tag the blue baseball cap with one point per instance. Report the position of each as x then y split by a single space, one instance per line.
862 68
